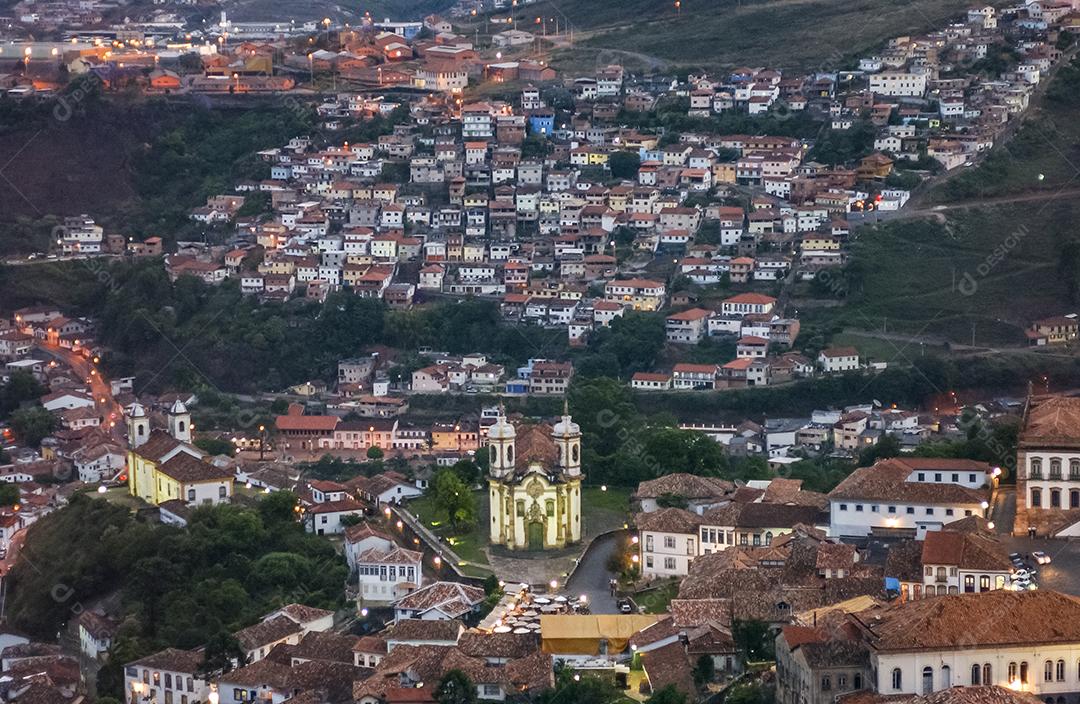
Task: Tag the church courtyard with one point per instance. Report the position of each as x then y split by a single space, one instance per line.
602 511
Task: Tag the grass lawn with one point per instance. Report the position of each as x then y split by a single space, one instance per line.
994 268
656 601
119 496
470 545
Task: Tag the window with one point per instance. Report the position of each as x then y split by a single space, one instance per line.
873 508
969 583
1036 498
948 512
937 476
929 512
1012 671
928 680
669 563
492 690
826 683
549 508
857 681
669 542
648 561
1055 498
1055 468
841 682
843 507
898 679
922 477
858 508
1036 468
971 478
1024 672
892 509
1048 671
190 494
976 674
1059 671
946 677
1074 469
987 674
768 537
648 543
956 478
911 510
929 571
984 583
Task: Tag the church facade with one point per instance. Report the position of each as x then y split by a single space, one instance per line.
166 466
534 484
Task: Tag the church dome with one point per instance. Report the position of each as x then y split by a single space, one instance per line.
566 427
502 430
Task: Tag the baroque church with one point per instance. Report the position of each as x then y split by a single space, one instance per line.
535 484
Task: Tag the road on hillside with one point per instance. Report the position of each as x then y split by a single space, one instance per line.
110 411
592 576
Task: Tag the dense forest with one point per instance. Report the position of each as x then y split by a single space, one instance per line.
179 587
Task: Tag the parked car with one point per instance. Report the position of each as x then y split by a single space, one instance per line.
1040 557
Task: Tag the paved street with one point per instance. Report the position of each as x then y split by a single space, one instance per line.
107 407
592 576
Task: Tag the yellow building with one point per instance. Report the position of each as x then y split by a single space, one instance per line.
535 484
165 466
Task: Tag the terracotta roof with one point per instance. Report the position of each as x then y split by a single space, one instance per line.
172 659
326 646
1052 421
185 468
440 594
887 481
993 619
964 550
669 520
689 486
306 423
267 632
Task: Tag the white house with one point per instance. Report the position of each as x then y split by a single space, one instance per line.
839 359
166 677
907 497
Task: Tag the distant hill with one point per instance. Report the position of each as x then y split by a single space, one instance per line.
252 10
711 33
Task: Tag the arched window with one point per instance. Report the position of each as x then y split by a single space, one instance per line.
180 426
1074 498
1059 671
574 453
976 674
1012 671
140 430
1074 469
221 492
1055 468
1055 498
857 681
510 454
987 674
946 677
1036 498
768 537
494 459
928 680
1048 671
1036 468
898 679
1024 672
826 683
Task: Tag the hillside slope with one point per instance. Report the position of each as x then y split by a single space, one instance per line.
713 33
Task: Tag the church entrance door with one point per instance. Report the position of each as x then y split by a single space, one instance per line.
536 535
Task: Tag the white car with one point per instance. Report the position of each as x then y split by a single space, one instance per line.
1040 557
1021 575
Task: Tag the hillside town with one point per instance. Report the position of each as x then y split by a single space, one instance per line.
540 520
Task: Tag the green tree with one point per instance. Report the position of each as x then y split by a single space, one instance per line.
704 670
624 165
455 688
887 446
221 654
20 388
216 446
454 499
667 695
753 639
33 424
374 453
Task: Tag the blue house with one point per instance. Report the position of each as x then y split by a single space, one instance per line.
542 122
